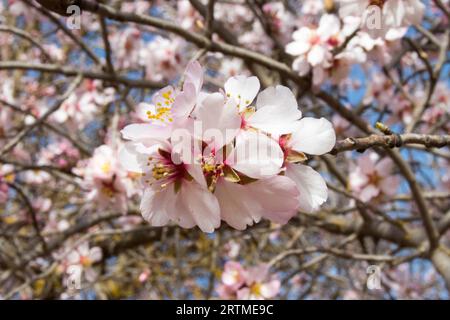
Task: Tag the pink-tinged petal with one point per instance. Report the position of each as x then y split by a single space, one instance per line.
367 163
243 294
201 205
196 172
369 192
220 121
277 198
179 213
270 289
238 207
194 75
312 187
256 155
257 274
357 179
145 131
384 167
185 101
233 275
243 89
389 185
302 66
313 136
225 292
153 206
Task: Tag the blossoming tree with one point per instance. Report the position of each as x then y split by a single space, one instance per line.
207 149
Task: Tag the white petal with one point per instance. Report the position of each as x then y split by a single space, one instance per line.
297 48
317 55
256 155
277 110
194 75
185 101
312 187
129 159
153 206
313 136
238 207
144 131
277 196
201 205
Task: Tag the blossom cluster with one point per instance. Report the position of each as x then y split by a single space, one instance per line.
207 157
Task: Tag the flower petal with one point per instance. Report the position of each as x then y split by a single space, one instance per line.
256 155
145 131
237 206
277 197
130 159
153 206
277 110
313 136
312 187
201 205
243 89
220 121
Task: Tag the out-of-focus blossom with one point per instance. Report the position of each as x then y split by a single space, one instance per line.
247 284
108 183
373 177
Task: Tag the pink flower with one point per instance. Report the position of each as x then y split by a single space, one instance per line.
233 276
108 182
217 160
312 46
251 284
373 177
84 257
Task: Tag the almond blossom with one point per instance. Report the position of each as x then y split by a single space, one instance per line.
108 183
312 47
373 178
216 158
247 284
82 257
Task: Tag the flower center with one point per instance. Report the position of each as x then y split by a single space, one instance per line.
163 171
256 289
108 189
374 179
212 169
106 167
163 107
85 261
160 171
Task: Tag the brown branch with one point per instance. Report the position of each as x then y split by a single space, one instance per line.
69 71
391 141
